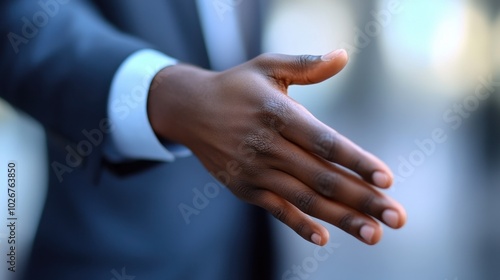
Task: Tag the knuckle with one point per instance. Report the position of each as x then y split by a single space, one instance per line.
274 113
265 61
305 200
302 63
279 213
244 191
301 227
328 183
327 146
367 203
356 163
250 169
265 57
345 223
260 142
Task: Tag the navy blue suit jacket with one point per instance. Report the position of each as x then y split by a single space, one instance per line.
111 221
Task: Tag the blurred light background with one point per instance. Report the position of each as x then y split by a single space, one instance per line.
411 63
415 67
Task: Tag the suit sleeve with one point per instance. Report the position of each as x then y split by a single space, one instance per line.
57 61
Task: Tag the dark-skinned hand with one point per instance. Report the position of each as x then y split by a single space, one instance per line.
269 150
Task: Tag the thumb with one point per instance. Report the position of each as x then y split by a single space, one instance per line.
304 69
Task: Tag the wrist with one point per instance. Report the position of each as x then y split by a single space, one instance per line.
173 97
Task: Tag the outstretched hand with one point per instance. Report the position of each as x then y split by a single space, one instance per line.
269 150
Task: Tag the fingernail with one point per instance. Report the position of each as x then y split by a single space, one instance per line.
332 55
316 238
367 233
391 218
381 179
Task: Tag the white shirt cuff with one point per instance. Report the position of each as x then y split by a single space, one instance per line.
132 135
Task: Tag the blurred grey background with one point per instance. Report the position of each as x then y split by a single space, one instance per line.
417 68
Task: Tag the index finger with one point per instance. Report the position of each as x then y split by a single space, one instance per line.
314 136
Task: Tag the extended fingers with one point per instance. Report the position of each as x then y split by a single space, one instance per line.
329 180
340 185
315 137
297 125
312 203
288 214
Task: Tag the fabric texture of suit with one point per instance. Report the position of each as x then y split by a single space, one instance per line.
103 218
